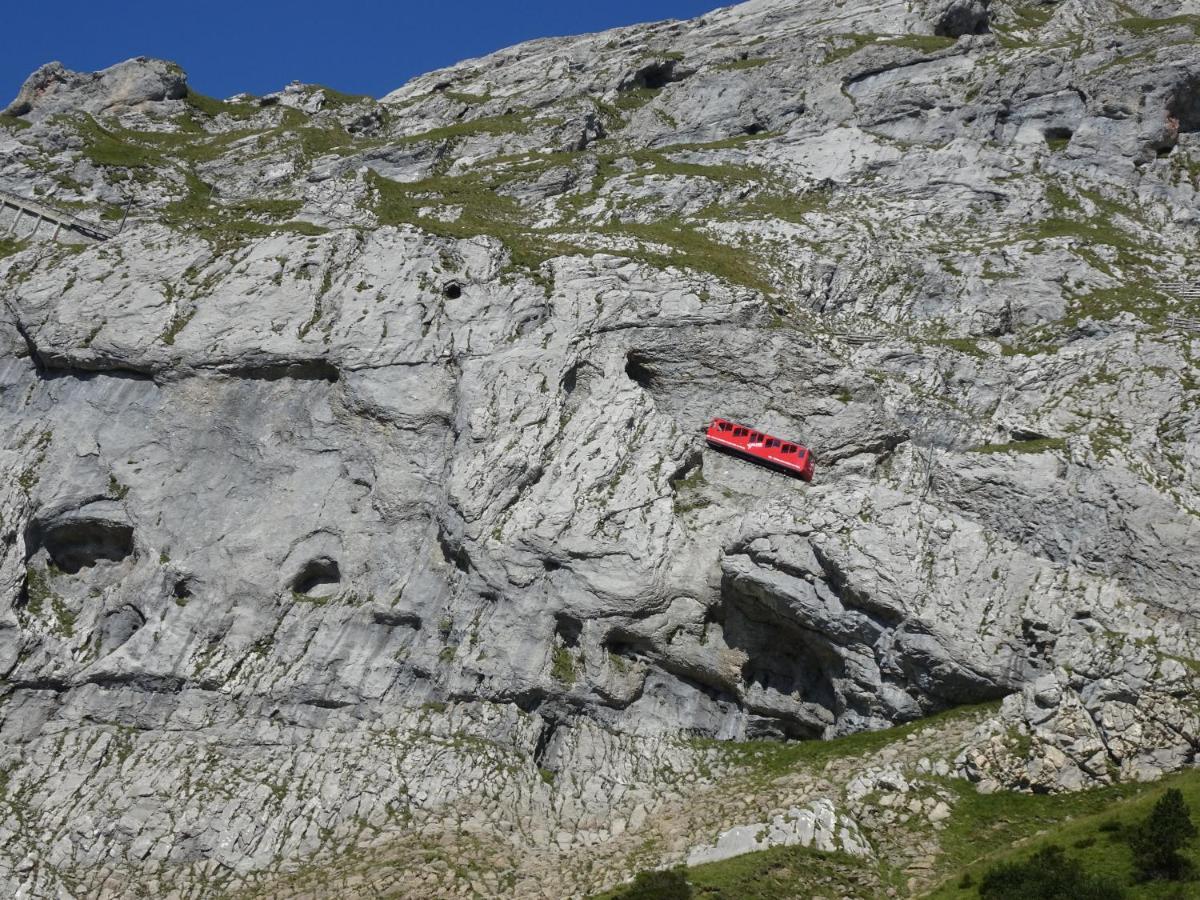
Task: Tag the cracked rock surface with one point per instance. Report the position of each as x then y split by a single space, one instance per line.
356 493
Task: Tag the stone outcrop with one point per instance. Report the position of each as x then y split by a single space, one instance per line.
357 489
130 85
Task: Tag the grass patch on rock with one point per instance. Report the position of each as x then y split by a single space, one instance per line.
1142 25
211 107
562 666
768 875
983 830
767 760
8 247
1092 827
13 123
505 124
737 65
1038 445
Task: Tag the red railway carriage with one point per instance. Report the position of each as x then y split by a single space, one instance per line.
756 446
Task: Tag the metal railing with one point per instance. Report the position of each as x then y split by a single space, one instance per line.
41 212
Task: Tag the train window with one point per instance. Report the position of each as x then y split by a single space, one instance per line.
724 426
773 442
788 448
738 432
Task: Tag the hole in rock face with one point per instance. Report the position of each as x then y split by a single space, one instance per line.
570 380
81 543
568 628
754 128
182 589
119 626
1184 107
317 576
655 76
963 17
1057 136
620 642
452 290
637 367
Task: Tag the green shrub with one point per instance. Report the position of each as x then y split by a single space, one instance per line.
669 885
1156 842
563 666
1047 875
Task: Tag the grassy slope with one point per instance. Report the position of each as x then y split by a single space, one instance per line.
770 875
1083 824
983 830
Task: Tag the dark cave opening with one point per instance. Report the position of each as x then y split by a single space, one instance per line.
1184 106
316 574
81 543
637 367
568 628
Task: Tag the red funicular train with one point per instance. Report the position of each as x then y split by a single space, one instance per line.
787 456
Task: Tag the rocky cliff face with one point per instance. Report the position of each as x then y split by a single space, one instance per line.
357 491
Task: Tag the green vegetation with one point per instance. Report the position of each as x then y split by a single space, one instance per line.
506 124
1141 25
116 147
482 209
769 875
227 224
1091 221
687 491
64 619
1156 843
735 65
691 248
484 212
635 98
966 345
1032 16
176 325
770 759
310 599
468 99
1038 445
37 591
335 99
116 489
8 247
562 667
1047 875
850 43
999 846
39 595
1099 829
211 107
140 154
671 884
13 123
925 43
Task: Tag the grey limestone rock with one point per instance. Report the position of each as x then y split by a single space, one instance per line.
53 89
358 490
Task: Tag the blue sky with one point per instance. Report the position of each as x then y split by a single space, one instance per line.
358 46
